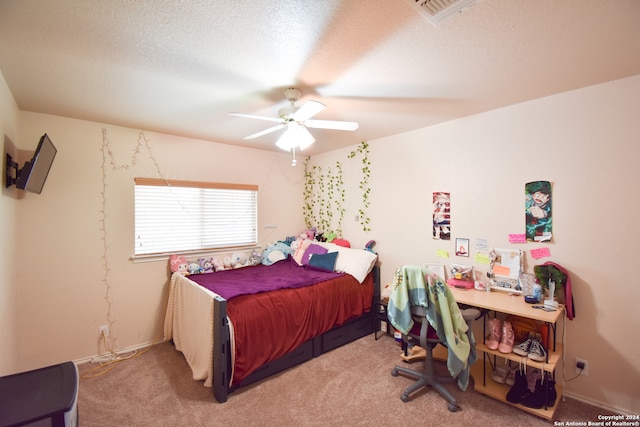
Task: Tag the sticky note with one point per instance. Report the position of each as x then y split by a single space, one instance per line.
540 253
482 258
442 253
517 238
501 270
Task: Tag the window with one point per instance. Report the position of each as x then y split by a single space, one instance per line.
177 216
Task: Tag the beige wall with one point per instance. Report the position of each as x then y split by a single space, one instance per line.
62 289
587 143
8 225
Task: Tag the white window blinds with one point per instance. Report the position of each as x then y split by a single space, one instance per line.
176 216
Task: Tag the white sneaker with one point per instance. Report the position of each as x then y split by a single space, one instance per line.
499 374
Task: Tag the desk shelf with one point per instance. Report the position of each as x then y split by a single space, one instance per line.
380 316
481 371
550 366
499 391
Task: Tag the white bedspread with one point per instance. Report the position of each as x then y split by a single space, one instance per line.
189 321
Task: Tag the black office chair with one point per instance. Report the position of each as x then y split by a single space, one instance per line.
423 333
415 281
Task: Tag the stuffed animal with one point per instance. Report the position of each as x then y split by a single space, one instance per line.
329 237
238 259
218 264
222 263
369 246
295 244
255 258
309 234
276 252
206 265
179 264
194 268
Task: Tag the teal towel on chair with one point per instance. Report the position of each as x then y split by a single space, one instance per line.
412 288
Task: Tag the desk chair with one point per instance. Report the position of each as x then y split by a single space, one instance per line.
422 306
428 339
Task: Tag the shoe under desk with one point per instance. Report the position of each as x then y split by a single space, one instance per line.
508 303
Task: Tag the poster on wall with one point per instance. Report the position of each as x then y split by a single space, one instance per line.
538 216
441 216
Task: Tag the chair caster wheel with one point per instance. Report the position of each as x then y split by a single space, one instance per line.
453 408
404 397
394 373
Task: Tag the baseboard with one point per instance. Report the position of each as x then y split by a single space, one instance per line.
595 403
122 351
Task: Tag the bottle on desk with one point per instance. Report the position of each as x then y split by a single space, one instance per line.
537 292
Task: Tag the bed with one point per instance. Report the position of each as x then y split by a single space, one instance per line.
239 326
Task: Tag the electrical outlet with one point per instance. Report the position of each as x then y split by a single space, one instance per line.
104 330
585 367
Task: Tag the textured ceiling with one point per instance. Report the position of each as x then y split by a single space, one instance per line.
178 66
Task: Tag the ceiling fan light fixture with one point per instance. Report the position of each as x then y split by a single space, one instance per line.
295 136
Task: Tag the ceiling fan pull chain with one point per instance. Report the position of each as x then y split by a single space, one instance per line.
293 161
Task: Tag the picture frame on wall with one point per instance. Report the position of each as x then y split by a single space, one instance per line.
462 247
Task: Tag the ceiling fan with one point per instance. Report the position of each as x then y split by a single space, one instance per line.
296 121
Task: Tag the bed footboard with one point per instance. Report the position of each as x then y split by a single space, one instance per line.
221 350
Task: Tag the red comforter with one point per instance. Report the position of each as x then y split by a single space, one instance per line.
268 325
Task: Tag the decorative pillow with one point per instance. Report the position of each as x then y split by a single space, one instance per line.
326 261
341 242
300 250
313 250
356 262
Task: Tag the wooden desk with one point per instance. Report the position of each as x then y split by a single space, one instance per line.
504 302
507 303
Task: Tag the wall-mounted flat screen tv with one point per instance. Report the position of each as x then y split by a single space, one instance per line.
34 173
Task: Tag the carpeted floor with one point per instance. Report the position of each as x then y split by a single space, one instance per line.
349 386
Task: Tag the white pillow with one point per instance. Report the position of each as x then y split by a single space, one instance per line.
356 262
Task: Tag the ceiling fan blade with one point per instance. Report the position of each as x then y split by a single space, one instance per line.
308 110
266 131
252 116
306 139
331 124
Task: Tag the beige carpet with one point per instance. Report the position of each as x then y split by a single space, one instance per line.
349 386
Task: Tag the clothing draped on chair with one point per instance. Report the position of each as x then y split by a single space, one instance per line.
412 287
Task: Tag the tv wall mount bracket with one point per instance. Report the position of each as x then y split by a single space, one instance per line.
11 166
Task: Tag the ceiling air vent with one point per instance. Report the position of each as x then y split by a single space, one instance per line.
437 11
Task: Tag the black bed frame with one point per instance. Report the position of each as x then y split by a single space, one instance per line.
350 331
